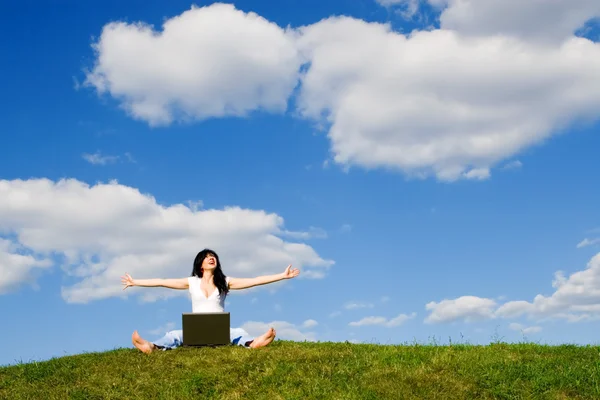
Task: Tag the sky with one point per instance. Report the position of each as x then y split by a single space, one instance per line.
431 167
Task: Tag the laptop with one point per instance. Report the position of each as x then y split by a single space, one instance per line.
205 329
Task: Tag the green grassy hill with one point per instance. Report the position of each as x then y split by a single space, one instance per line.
289 370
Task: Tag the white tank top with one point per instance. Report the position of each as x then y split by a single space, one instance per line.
215 302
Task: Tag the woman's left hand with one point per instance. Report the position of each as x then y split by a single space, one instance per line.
290 272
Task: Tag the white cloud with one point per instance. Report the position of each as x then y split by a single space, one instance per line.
161 330
532 329
17 266
514 309
455 102
588 242
98 159
526 330
539 20
312 233
100 232
211 61
353 305
439 102
469 308
576 298
407 8
477 173
309 323
284 330
382 321
335 314
515 164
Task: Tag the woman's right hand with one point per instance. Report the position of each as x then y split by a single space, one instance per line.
127 281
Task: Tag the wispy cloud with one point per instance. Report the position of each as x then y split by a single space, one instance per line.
346 228
98 159
526 330
588 242
406 8
382 321
516 164
312 233
129 157
477 173
309 323
353 305
161 330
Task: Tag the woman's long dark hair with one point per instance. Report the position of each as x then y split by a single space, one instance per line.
218 278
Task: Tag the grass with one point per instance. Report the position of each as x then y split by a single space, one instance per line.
291 370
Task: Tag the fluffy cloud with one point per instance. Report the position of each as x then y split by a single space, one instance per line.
455 102
576 298
285 330
97 233
17 266
212 61
469 308
539 20
438 102
382 321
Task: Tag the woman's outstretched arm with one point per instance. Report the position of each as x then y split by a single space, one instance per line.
244 283
128 281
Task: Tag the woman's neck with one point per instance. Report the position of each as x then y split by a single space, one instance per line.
207 276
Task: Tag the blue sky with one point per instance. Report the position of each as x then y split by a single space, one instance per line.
428 186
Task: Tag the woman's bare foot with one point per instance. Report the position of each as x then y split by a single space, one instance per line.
264 339
142 344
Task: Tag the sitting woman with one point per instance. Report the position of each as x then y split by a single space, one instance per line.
208 287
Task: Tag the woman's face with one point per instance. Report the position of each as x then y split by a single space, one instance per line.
209 262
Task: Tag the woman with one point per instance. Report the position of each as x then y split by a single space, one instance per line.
208 287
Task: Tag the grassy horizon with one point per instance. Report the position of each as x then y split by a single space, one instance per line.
293 370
